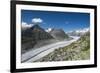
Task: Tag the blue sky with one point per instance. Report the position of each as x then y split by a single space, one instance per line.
68 21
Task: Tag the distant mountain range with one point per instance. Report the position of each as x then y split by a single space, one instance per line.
78 32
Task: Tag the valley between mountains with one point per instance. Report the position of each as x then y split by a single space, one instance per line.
39 45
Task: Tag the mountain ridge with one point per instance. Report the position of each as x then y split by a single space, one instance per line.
58 34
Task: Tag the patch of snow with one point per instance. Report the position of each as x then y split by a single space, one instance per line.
48 30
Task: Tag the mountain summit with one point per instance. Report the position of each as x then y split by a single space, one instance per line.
33 35
37 33
58 34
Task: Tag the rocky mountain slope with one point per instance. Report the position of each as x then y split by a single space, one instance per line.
78 50
59 34
35 37
31 36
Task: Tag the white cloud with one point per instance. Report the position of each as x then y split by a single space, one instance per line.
24 25
37 20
